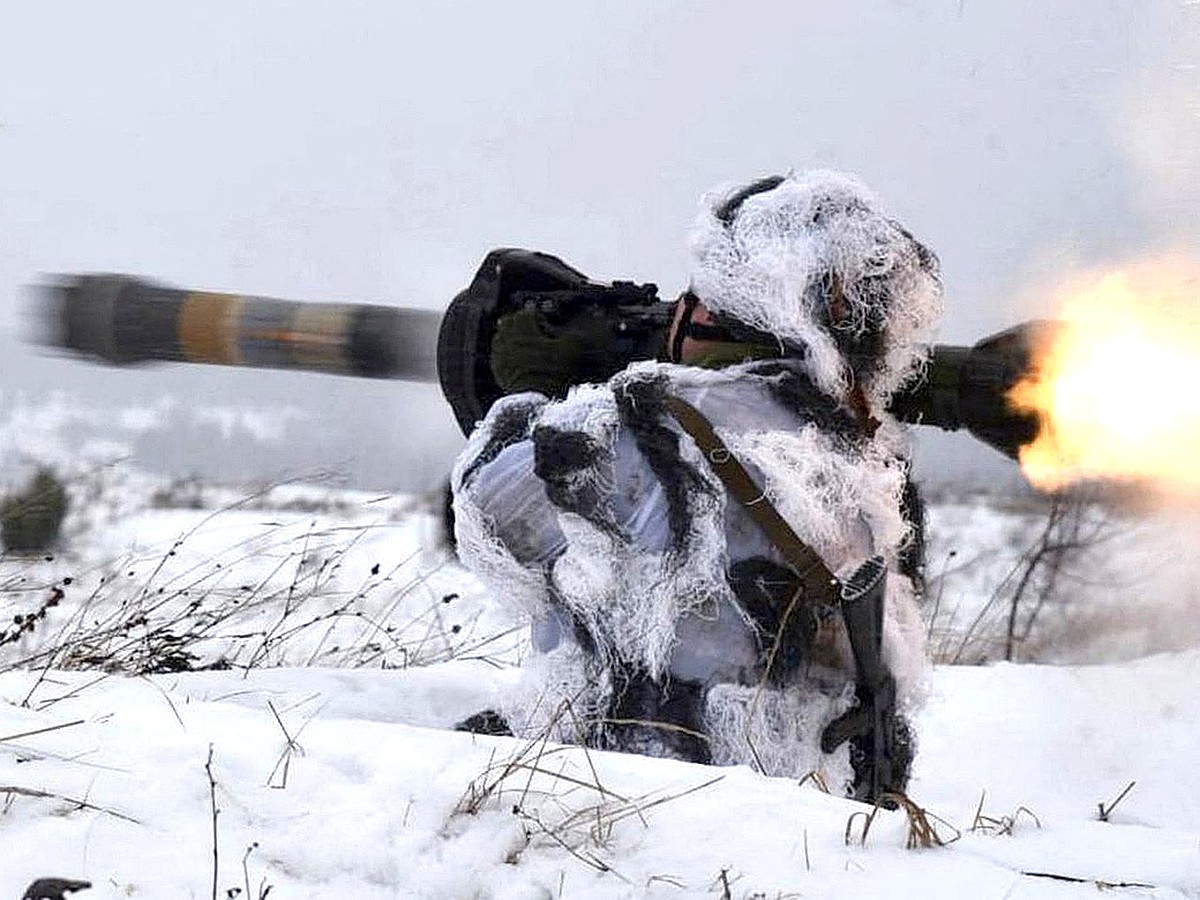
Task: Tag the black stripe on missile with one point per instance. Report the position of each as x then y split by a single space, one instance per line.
388 342
120 319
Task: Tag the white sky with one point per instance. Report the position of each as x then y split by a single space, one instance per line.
376 150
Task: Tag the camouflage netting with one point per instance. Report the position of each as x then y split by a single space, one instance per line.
772 264
664 610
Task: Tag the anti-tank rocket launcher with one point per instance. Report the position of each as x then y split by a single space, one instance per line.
527 321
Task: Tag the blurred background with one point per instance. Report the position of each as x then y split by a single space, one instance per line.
375 151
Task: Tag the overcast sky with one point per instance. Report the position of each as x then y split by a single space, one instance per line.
375 150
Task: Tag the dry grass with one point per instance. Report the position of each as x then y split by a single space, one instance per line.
818 781
146 615
922 830
10 791
264 889
558 796
291 748
1004 825
1104 811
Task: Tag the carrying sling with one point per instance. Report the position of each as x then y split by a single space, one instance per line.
820 585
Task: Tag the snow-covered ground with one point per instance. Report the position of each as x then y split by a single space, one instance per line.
349 644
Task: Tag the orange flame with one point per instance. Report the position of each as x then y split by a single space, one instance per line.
1118 388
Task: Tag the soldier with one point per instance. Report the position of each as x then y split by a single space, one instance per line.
674 532
671 614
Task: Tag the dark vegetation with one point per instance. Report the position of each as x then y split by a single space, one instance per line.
30 521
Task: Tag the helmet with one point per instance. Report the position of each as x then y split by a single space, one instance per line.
810 259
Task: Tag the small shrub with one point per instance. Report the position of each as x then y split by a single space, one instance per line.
30 521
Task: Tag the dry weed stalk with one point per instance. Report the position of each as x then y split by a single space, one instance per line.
1104 811
264 889
290 748
11 790
922 824
1099 883
196 618
25 734
723 880
817 779
212 796
664 879
576 812
1005 825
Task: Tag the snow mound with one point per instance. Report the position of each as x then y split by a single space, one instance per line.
329 785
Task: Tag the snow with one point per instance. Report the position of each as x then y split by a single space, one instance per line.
336 774
371 802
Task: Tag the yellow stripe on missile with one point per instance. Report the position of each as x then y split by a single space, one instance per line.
320 336
207 328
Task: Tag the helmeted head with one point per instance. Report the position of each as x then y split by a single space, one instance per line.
812 260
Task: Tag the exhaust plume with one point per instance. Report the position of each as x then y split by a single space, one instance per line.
1117 388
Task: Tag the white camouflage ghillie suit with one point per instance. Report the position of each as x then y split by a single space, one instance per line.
653 594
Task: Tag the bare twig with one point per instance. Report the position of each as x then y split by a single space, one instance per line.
1101 884
1105 811
246 867
49 795
212 795
25 734
172 619
665 879
1074 524
723 878
264 889
937 599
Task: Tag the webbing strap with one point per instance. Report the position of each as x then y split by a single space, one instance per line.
821 587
